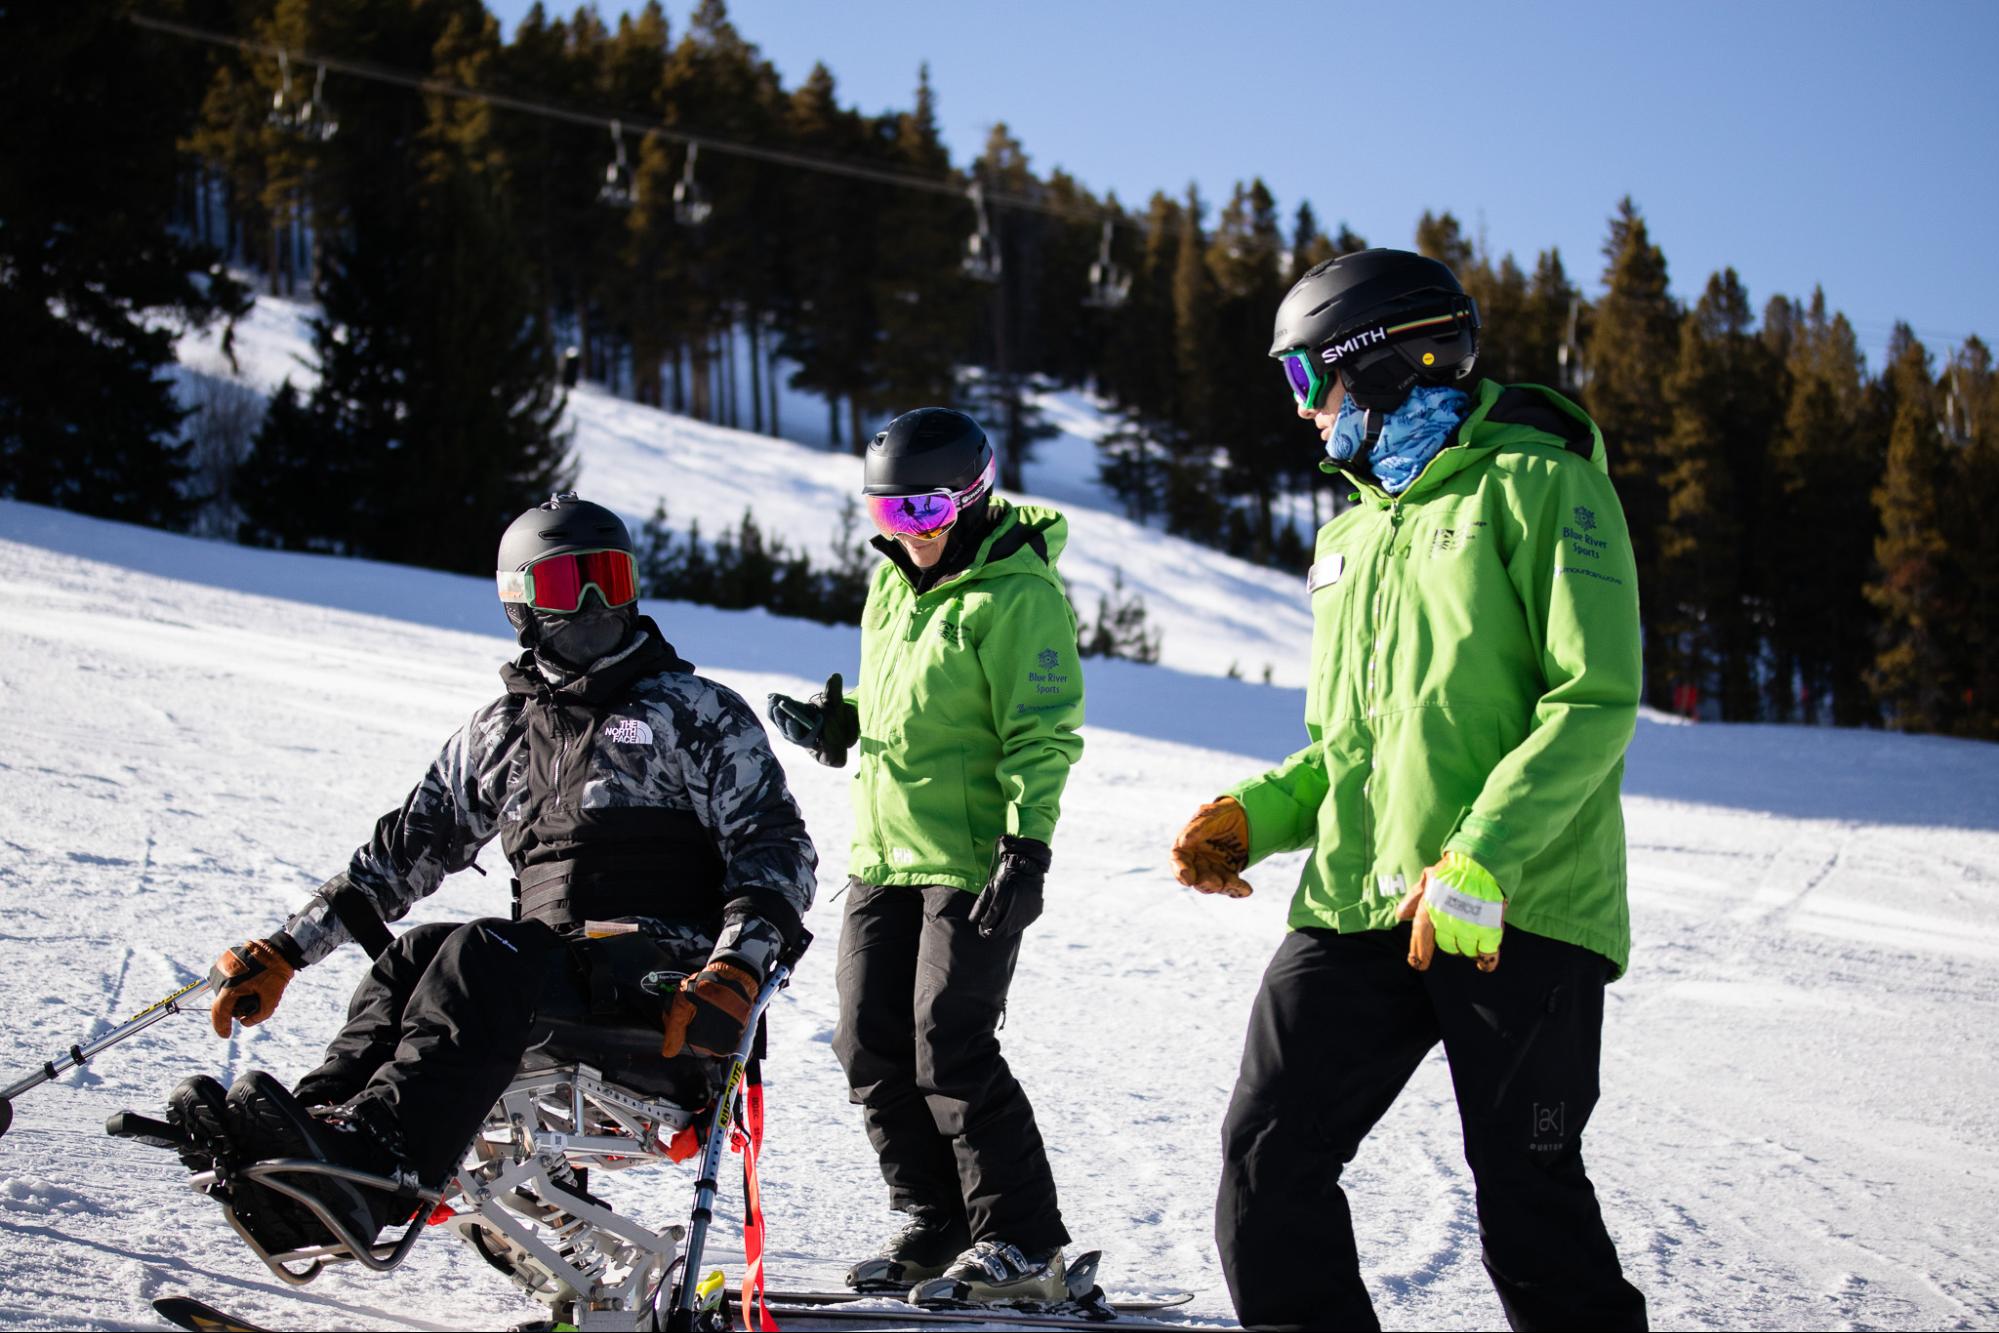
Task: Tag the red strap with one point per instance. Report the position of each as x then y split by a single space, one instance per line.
755 1311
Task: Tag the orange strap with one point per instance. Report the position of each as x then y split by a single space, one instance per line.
755 1312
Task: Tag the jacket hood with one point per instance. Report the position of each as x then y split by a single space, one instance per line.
1505 416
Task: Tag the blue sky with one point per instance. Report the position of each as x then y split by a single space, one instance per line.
1833 143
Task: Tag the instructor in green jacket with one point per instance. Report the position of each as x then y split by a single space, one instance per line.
1474 684
965 721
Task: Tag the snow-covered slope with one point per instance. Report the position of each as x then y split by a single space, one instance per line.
1798 1126
1215 611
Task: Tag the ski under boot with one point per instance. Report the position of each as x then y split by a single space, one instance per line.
266 1122
996 1273
921 1248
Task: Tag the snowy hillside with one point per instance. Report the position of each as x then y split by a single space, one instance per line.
1798 1127
1214 611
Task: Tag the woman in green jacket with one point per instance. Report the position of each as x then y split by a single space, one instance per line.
965 721
1474 683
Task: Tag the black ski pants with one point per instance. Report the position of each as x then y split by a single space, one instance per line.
1338 1028
922 994
437 1027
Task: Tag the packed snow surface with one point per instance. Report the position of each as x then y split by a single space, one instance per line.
1798 1122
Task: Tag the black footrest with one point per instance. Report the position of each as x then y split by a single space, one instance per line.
157 1133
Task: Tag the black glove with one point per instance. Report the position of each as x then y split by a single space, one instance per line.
826 724
1011 900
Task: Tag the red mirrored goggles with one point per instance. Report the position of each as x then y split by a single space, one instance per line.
557 583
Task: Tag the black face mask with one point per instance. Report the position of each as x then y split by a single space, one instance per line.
577 641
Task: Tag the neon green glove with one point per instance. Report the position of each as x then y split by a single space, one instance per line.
1466 907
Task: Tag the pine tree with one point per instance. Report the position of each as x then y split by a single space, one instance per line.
1264 438
1441 237
1822 626
920 295
1912 674
437 401
88 266
1014 304
830 330
556 171
1191 505
1971 437
1725 394
1634 340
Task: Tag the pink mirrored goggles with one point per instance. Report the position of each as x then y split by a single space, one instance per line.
927 513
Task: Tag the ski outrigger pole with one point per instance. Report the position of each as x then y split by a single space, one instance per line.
81 1052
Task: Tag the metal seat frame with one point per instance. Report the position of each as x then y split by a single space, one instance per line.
518 1201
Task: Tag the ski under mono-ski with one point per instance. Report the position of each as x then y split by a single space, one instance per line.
840 1308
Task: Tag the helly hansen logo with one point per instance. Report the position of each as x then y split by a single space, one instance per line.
628 731
1364 339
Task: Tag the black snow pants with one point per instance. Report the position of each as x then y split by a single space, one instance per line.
437 1028
921 999
1338 1028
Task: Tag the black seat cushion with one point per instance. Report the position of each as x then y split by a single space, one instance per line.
627 1055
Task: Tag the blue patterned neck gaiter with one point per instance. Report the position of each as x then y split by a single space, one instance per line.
1413 434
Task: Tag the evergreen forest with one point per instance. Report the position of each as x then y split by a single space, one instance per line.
481 222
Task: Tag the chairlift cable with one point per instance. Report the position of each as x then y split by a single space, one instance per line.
604 120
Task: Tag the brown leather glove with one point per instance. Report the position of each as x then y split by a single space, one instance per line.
1212 850
247 981
1423 936
710 1011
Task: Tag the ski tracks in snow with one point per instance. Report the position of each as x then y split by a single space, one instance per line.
1797 1126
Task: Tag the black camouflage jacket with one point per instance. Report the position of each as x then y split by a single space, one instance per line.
639 764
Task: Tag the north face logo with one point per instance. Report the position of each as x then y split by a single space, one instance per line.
628 731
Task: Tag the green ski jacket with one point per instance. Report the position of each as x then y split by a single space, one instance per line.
1474 684
969 701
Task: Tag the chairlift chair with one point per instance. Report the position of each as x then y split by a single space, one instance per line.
982 253
690 202
1110 283
317 122
619 190
284 116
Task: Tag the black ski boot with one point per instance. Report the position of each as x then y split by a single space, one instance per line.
198 1109
993 1272
266 1123
922 1248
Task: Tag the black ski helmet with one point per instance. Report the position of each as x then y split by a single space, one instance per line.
929 449
564 522
1384 321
